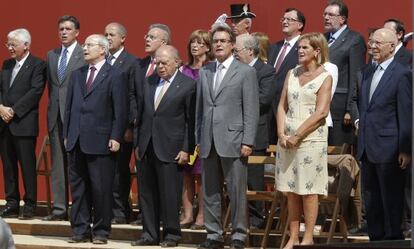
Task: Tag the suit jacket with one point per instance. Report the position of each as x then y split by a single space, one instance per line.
139 77
404 57
229 117
58 90
94 117
128 64
348 54
385 121
171 126
290 61
24 95
267 90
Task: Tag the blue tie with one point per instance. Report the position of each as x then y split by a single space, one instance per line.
62 65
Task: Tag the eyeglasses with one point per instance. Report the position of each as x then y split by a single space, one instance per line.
89 45
198 43
215 41
150 37
11 45
288 19
330 15
236 51
378 43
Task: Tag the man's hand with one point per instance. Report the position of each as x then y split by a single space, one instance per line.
245 150
129 135
113 145
182 158
6 113
404 160
136 151
347 119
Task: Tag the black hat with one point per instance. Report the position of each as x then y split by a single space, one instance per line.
241 10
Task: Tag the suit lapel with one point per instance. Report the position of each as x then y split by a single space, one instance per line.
384 81
289 56
54 60
120 60
366 86
210 70
99 78
26 65
73 60
172 89
228 76
341 39
153 81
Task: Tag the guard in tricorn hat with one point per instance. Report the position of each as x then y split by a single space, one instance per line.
241 18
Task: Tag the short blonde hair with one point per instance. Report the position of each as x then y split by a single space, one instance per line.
317 40
264 43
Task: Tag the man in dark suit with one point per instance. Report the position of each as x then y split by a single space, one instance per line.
347 51
60 64
95 122
21 87
283 56
127 63
227 119
247 50
164 140
384 138
157 36
401 54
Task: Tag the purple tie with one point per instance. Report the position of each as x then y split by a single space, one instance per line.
281 57
89 82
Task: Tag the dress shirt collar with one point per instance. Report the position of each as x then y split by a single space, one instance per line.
386 63
292 41
337 33
21 62
170 80
226 63
398 47
117 53
70 49
253 62
98 65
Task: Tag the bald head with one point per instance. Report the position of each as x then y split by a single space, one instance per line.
168 61
383 44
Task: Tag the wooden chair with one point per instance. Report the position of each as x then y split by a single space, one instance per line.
43 169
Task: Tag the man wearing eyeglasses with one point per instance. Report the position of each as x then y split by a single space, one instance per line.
283 56
95 122
60 64
118 57
384 137
347 51
226 124
22 82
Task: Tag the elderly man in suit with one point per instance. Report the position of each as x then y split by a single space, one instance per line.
384 138
347 51
118 57
95 122
164 140
401 54
21 87
283 56
60 64
247 50
227 119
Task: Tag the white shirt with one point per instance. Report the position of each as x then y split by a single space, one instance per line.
333 71
98 67
159 87
253 62
70 49
291 43
17 68
337 33
116 55
226 63
398 48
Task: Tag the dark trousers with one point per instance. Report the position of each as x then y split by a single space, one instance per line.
122 182
14 150
161 188
255 181
383 190
91 180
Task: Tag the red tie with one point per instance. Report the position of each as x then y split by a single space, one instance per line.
89 82
151 68
281 57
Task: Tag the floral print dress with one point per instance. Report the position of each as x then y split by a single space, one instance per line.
303 170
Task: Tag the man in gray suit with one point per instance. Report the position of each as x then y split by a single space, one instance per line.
227 118
60 64
347 51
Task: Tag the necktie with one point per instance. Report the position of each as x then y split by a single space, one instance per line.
161 94
89 82
375 80
219 77
62 65
151 68
331 40
14 73
110 59
281 56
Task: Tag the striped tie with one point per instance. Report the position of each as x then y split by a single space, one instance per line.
62 65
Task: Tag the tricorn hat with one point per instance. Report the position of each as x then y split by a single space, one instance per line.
241 10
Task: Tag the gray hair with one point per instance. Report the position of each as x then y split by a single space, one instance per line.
165 28
22 35
249 42
102 41
249 23
121 28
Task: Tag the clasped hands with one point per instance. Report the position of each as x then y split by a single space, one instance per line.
289 142
6 113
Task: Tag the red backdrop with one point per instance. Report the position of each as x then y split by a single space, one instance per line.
40 18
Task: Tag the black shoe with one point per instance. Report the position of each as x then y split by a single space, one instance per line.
79 239
169 243
144 242
10 212
27 213
119 220
100 240
211 244
55 217
237 244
